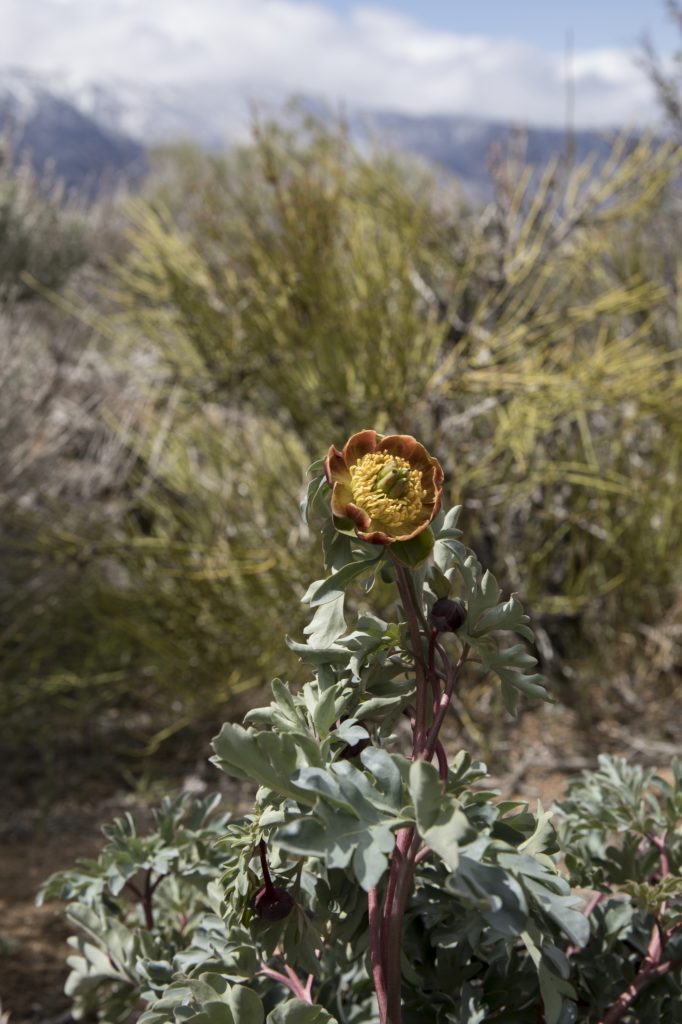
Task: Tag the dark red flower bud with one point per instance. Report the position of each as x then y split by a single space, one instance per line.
447 616
353 749
272 903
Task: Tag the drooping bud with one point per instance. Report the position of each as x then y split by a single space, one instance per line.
354 749
273 903
447 615
393 480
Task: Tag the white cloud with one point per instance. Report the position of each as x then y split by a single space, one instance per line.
372 58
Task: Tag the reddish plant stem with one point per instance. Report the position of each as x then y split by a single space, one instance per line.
134 889
452 675
265 867
593 903
304 991
147 901
402 845
378 975
433 675
653 966
394 929
308 988
648 973
145 896
156 884
385 925
442 759
386 939
290 980
412 619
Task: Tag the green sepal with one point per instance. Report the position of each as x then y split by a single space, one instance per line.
344 525
387 572
414 551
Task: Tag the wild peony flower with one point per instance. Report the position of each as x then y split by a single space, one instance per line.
388 487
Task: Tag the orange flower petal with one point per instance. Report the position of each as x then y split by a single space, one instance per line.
403 446
376 537
358 516
342 497
407 447
362 443
335 467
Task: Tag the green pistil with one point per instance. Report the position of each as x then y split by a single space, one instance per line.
392 480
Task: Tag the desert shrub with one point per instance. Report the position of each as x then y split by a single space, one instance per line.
298 286
56 454
666 75
537 341
40 237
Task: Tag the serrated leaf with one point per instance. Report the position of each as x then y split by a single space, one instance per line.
341 839
327 624
495 893
323 591
440 821
264 757
386 772
295 1011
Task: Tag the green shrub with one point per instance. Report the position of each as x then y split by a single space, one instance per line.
297 288
41 237
537 342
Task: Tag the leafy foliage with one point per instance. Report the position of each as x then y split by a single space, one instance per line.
477 921
619 827
486 899
40 238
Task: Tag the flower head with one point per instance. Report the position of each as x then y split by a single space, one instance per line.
388 487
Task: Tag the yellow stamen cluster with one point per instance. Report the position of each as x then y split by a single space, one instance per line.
392 514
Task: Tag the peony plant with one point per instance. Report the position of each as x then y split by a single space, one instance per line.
377 879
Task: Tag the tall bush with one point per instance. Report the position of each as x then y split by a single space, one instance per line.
298 285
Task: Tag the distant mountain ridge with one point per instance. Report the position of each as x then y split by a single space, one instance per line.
62 141
463 144
99 133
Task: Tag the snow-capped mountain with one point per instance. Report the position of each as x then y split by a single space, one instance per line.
97 129
41 121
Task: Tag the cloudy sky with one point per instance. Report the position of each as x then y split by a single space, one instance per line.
492 58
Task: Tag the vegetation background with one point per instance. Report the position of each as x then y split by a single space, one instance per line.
171 362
